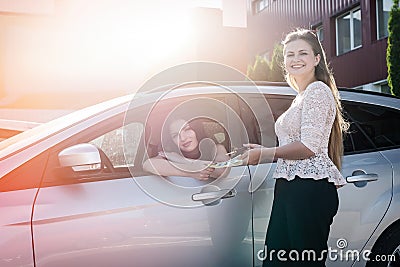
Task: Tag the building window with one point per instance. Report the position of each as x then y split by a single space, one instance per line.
260 5
382 17
348 31
320 33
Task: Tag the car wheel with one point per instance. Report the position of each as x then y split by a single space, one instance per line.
386 251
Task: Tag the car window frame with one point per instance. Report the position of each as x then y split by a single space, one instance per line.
85 136
266 96
110 124
351 120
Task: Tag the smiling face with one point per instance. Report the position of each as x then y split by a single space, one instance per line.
183 136
299 59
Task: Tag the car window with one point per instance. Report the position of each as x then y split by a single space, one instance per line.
214 130
112 144
379 125
355 141
118 139
267 110
211 111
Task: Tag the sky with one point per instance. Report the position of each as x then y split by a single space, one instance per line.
94 45
103 48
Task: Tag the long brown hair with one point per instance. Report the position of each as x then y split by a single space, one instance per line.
323 73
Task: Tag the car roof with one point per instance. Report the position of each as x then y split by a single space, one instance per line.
271 88
20 141
379 99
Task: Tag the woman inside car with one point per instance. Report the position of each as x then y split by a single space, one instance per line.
308 157
186 151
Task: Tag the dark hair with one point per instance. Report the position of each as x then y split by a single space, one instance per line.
322 73
168 144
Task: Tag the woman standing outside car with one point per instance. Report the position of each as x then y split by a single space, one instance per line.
308 158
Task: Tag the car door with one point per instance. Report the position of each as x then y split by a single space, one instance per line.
123 216
17 193
259 113
363 201
366 198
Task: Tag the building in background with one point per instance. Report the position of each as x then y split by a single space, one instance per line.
353 33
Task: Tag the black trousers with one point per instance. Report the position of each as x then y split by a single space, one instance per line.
302 212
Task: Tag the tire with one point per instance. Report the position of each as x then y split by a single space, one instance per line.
386 251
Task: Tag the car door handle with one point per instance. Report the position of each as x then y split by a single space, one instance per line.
223 193
366 177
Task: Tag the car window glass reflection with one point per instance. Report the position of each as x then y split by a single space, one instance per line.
113 146
371 124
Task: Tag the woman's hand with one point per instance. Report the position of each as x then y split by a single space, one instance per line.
257 154
203 175
252 156
197 169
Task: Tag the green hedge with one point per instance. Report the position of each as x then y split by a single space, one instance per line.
263 70
393 50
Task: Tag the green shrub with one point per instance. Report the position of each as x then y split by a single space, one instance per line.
260 69
393 50
276 73
264 70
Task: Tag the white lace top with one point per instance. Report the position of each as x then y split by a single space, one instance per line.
309 120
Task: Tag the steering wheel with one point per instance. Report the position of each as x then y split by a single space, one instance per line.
106 164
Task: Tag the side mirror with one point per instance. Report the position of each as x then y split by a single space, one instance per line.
81 158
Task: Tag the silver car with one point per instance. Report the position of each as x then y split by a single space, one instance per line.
9 128
73 191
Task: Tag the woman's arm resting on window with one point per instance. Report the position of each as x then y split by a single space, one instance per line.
163 167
